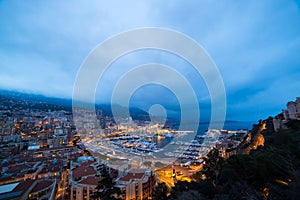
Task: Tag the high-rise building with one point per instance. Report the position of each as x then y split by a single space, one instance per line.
101 118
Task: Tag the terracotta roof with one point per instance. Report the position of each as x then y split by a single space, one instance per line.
24 185
91 180
131 176
18 191
87 163
41 185
49 169
83 171
12 169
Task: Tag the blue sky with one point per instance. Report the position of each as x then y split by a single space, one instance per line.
255 45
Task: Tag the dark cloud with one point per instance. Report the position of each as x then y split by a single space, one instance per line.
255 45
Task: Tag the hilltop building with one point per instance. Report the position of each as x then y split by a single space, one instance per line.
292 112
293 108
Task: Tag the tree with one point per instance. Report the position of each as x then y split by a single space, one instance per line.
213 165
160 192
269 172
294 124
106 189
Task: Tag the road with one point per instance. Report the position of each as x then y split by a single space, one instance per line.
62 186
182 173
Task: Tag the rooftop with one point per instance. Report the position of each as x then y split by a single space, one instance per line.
83 170
90 181
41 186
8 187
14 190
50 169
132 176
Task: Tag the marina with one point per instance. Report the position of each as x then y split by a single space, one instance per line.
154 143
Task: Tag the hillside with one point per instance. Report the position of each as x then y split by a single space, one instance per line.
14 99
269 172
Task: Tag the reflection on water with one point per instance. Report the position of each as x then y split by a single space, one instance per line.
161 141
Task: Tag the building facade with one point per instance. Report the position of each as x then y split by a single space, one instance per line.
293 108
138 184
